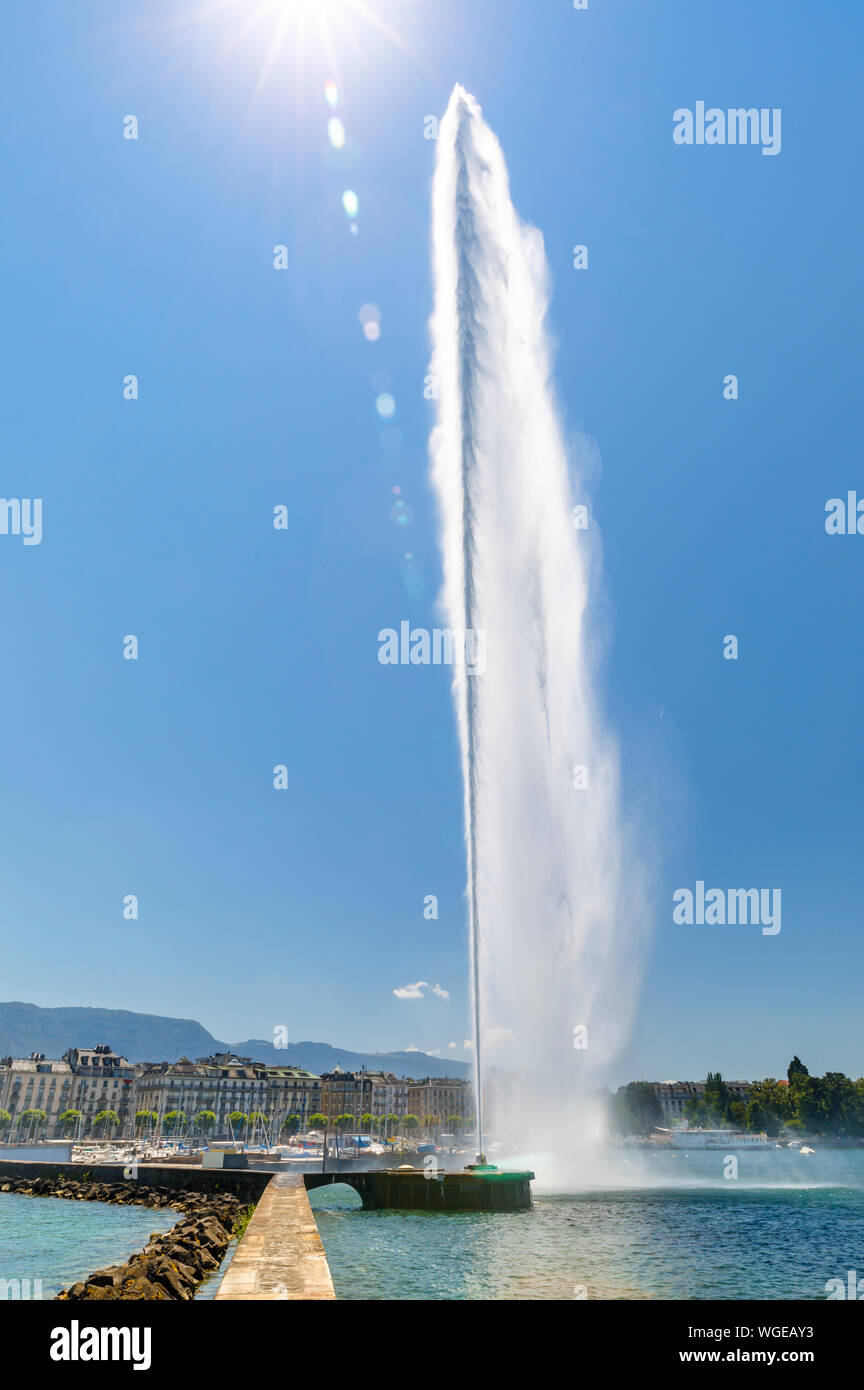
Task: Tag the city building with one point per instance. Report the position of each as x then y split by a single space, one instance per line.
442 1098
674 1095
102 1080
35 1083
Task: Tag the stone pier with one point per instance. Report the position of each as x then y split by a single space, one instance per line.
280 1255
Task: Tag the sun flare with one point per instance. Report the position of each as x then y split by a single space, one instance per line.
298 25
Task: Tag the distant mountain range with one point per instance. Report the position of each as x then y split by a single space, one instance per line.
25 1028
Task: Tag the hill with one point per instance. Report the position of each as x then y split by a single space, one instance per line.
26 1028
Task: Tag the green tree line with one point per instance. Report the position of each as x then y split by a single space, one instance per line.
831 1105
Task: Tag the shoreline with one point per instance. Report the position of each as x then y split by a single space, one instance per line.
173 1264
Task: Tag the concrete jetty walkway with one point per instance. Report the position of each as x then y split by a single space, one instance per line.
280 1254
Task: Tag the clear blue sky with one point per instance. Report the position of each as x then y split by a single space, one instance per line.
258 387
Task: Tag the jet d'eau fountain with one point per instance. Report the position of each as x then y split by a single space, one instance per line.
555 904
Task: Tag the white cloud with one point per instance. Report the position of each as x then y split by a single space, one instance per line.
442 993
451 1044
414 991
468 1043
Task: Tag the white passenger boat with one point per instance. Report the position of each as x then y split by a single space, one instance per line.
718 1139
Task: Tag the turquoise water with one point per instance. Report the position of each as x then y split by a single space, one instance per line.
209 1287
59 1242
678 1230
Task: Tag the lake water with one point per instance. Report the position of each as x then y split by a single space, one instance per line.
60 1242
665 1226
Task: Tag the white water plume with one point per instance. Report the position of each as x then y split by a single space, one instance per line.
555 901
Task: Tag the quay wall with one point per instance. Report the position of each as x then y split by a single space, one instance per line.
243 1182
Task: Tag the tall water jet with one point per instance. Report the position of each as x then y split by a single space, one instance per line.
552 920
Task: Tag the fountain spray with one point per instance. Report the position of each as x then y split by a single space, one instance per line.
552 899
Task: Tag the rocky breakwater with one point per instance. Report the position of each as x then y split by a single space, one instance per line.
171 1265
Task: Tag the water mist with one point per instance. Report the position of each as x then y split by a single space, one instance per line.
554 899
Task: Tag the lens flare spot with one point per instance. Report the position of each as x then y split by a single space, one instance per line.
372 331
336 132
331 94
385 405
350 202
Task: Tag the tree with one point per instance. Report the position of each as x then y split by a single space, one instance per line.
205 1120
636 1108
344 1122
410 1122
772 1100
832 1104
454 1123
5 1120
106 1120
254 1119
291 1123
236 1119
366 1122
33 1120
145 1118
69 1119
317 1121
430 1122
806 1103
174 1120
840 1105
758 1120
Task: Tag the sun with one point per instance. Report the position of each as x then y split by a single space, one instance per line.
298 24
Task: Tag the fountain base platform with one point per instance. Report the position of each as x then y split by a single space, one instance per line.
481 1187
